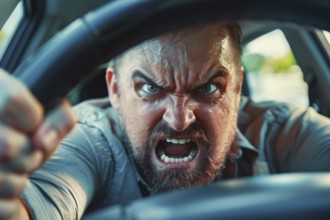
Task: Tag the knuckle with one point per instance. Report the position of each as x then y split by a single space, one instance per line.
14 100
62 119
6 149
58 123
70 119
11 143
28 163
34 117
14 92
11 92
12 185
8 99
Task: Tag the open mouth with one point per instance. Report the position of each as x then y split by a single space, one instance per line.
176 150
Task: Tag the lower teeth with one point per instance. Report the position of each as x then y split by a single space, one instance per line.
168 159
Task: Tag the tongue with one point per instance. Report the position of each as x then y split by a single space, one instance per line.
177 150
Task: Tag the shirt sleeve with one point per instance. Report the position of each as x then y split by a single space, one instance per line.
66 185
303 143
288 138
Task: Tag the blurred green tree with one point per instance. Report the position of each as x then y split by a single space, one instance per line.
283 64
260 63
253 62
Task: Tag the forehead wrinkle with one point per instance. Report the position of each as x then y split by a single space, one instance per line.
152 62
156 52
168 56
185 63
211 63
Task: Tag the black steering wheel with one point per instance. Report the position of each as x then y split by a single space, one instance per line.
99 36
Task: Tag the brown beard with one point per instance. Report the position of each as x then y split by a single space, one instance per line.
167 180
206 171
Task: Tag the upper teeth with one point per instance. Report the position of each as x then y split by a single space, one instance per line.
177 141
168 159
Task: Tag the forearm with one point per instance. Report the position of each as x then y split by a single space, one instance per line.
46 200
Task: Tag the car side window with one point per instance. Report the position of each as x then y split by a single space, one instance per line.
327 36
271 70
324 40
11 14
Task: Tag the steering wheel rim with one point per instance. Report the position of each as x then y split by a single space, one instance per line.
281 196
99 36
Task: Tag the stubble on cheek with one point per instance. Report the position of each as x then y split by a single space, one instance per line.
227 112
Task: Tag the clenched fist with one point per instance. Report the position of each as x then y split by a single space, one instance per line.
27 140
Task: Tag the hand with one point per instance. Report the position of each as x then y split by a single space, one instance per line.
27 139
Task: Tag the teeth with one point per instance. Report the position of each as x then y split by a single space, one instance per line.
168 159
177 141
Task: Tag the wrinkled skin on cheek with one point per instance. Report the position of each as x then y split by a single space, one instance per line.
191 92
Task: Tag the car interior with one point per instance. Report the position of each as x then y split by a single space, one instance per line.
29 28
49 17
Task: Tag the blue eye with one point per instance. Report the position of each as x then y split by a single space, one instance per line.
208 89
150 89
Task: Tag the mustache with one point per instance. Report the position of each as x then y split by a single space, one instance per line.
195 132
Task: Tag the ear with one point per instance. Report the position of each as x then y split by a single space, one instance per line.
240 80
112 85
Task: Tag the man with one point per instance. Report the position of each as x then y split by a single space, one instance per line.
172 125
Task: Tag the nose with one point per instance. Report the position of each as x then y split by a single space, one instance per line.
179 115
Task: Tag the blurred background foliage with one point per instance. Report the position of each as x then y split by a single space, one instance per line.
2 36
260 63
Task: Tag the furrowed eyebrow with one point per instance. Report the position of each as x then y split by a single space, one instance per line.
139 75
220 73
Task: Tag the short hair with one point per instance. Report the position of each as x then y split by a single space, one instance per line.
235 33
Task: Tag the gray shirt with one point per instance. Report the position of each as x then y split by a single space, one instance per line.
93 170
